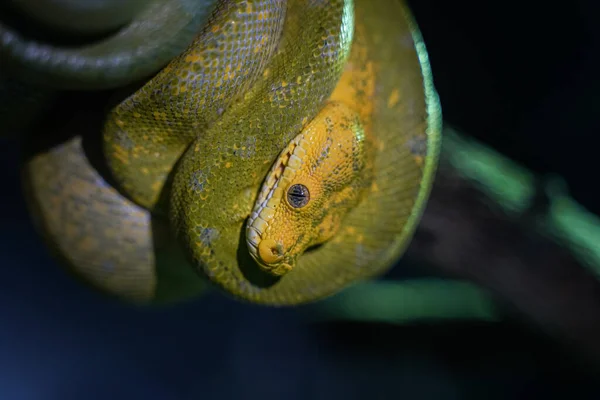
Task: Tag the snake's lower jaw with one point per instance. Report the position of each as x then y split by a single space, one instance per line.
277 270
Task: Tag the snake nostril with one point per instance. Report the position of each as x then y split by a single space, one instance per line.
270 251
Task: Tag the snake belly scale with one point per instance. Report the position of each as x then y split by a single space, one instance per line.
289 151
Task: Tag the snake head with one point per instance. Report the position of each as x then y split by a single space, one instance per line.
317 179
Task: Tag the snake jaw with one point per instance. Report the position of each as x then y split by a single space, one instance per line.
270 256
280 270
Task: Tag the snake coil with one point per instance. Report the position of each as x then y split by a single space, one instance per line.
331 103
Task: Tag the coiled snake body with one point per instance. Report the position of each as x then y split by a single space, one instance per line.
289 150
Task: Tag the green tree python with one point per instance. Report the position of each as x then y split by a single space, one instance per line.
285 154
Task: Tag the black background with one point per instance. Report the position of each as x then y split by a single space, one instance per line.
522 76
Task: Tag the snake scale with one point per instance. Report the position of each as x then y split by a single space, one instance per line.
285 154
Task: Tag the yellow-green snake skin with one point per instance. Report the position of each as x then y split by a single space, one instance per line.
193 149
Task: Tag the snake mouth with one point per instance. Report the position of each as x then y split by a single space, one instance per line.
273 258
270 256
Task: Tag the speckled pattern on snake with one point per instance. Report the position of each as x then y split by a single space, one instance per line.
286 154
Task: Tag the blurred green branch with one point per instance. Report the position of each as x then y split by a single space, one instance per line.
519 241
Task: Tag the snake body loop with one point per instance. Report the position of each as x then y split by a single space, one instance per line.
87 17
147 133
157 33
290 149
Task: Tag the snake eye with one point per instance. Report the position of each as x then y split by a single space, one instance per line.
298 195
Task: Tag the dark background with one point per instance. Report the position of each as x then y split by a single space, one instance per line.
518 75
522 76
